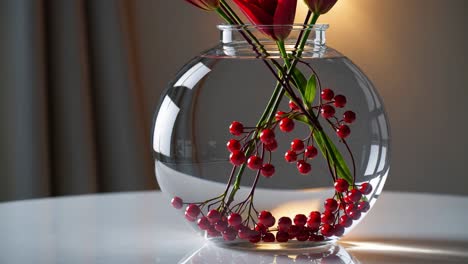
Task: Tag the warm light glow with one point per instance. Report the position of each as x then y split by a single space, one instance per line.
292 208
337 12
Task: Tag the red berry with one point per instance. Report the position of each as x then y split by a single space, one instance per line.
340 101
338 230
213 232
303 235
272 146
327 230
266 219
365 188
213 216
229 234
237 158
244 233
236 128
282 236
264 214
269 237
254 162
300 220
354 214
341 185
327 94
255 237
331 205
314 220
234 219
192 210
350 207
233 145
363 206
177 202
354 195
297 145
267 136
314 237
284 223
268 170
327 111
311 152
293 106
220 226
189 218
290 156
203 223
294 230
279 115
261 228
303 167
343 131
327 218
286 125
346 221
349 117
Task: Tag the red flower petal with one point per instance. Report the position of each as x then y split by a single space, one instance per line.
320 6
257 15
284 15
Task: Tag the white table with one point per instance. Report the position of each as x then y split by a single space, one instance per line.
142 228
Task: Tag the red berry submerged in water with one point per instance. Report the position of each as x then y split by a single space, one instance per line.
341 185
237 158
266 219
363 206
349 117
233 145
350 207
255 237
234 219
327 111
220 226
254 162
290 156
284 223
314 220
260 228
293 106
311 152
282 236
338 230
268 170
213 216
269 237
272 146
203 223
327 218
297 145
236 128
343 131
177 202
286 125
346 221
331 205
300 220
294 230
192 210
327 94
267 136
365 188
303 235
327 230
354 214
229 234
314 237
279 115
189 218
303 167
213 232
340 101
244 232
354 195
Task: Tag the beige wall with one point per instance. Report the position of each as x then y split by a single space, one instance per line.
413 51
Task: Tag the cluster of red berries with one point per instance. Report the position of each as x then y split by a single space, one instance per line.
338 215
328 111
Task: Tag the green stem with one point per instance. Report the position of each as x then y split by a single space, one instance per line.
223 15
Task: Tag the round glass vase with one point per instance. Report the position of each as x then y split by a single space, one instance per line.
234 181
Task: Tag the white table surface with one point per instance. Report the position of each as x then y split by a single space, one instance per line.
141 227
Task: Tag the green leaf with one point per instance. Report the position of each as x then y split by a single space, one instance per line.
311 89
299 80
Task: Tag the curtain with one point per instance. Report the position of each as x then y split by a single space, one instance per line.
71 101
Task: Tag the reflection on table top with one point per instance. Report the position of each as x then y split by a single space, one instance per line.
142 228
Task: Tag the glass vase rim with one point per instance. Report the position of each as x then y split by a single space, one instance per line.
294 27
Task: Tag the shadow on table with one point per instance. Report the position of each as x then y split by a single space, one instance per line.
349 252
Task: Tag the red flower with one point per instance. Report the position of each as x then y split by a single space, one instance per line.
320 6
208 5
270 12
